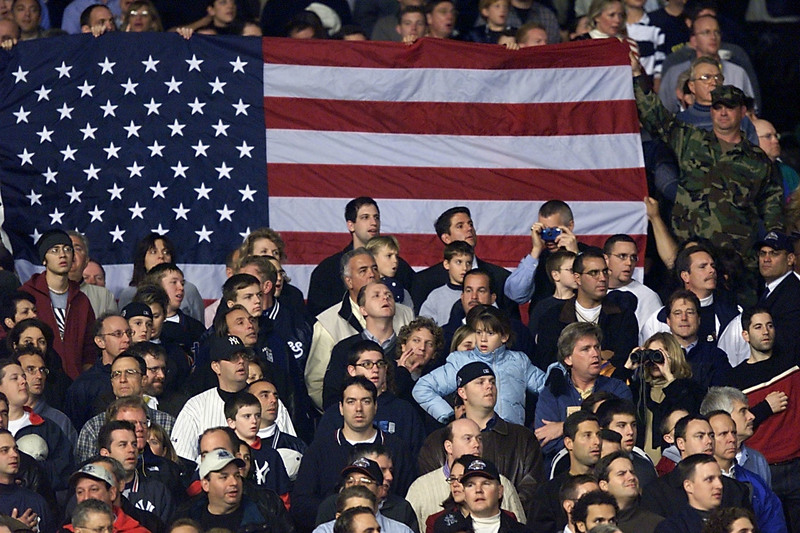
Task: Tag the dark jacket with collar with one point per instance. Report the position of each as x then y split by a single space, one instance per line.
321 467
326 286
634 519
513 448
686 520
666 494
618 322
783 304
59 463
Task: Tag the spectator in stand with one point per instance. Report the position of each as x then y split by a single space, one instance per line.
702 484
622 256
531 34
94 274
665 387
153 250
458 258
649 38
60 302
616 475
730 520
179 327
18 501
385 248
28 16
495 16
706 40
141 16
769 141
102 299
670 19
385 28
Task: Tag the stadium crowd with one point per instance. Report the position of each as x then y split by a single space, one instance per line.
570 395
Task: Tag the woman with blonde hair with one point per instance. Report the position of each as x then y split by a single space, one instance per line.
141 16
662 382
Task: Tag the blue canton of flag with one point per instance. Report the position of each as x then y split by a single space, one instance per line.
125 134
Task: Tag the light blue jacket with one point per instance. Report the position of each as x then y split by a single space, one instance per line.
514 373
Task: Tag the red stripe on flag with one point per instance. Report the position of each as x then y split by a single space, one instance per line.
452 118
441 53
351 181
424 250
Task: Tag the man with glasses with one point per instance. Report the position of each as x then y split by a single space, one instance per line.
705 76
769 141
32 362
706 40
620 330
394 415
111 338
622 255
61 304
127 373
22 421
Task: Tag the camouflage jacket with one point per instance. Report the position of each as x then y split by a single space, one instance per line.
722 196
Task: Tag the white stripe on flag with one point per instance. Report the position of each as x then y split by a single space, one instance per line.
516 86
571 152
399 216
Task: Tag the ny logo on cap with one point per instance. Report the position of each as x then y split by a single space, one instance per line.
361 463
771 236
234 340
476 465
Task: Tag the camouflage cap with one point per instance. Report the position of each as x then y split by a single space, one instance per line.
727 95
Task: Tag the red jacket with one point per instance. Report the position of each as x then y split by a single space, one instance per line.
122 524
77 348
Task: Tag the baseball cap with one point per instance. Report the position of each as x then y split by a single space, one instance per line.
472 371
777 241
50 238
365 466
216 460
136 309
223 348
482 468
727 95
93 471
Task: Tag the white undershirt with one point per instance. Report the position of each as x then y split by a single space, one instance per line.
486 525
587 315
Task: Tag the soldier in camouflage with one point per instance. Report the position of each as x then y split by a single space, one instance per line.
726 186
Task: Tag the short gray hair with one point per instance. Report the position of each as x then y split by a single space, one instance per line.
80 516
721 399
344 264
572 334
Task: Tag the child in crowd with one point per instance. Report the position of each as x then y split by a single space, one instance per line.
159 443
559 268
178 328
495 13
514 371
243 414
222 13
458 257
463 340
140 320
386 251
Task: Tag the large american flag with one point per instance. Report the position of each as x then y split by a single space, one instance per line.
128 133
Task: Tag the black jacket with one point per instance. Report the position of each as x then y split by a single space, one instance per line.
666 494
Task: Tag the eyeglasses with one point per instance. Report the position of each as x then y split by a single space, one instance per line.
625 257
119 333
367 365
65 248
350 481
708 77
129 373
770 253
565 269
143 13
32 370
771 136
454 479
596 273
